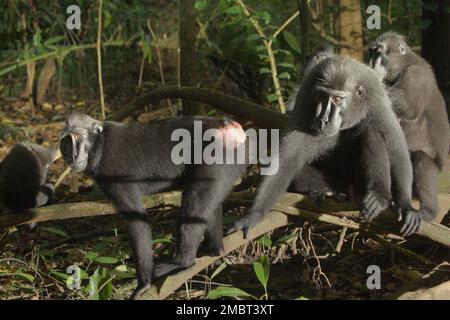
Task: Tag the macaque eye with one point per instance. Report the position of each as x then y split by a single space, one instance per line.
78 137
336 99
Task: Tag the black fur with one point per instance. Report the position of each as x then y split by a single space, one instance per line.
128 161
322 52
22 177
358 140
420 107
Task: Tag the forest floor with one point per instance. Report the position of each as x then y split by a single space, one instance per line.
307 260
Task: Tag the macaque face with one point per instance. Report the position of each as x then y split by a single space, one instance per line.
77 140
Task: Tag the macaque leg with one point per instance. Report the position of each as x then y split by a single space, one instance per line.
45 194
129 204
425 184
202 197
212 244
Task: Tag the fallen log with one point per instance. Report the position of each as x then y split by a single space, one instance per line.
435 285
291 203
82 209
274 219
163 288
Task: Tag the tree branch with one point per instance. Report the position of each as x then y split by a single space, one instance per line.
261 116
81 209
163 288
333 212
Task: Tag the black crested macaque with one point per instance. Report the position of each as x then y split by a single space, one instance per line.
22 177
325 174
128 161
420 108
342 101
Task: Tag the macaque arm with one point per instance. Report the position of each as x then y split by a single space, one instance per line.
407 95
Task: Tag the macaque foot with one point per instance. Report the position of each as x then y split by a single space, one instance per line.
412 219
168 268
372 205
50 186
246 223
210 248
139 290
317 197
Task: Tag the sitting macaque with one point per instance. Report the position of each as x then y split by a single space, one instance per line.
23 173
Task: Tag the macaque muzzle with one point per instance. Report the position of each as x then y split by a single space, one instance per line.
68 146
327 119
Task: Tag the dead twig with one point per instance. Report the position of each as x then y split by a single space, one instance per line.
341 239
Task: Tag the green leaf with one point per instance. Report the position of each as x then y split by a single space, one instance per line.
162 240
37 38
200 5
265 240
91 255
219 269
61 275
272 97
286 65
260 48
93 286
56 231
146 50
123 272
261 269
26 276
264 15
283 239
107 20
121 268
292 41
222 291
83 274
106 260
284 75
264 70
233 10
47 253
53 40
253 37
105 285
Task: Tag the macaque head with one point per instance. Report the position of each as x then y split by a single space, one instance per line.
322 52
387 53
335 96
78 138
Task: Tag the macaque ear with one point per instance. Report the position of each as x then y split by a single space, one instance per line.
402 49
360 91
98 128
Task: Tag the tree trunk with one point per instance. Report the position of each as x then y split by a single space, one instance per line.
436 41
350 28
188 55
304 27
28 91
45 76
